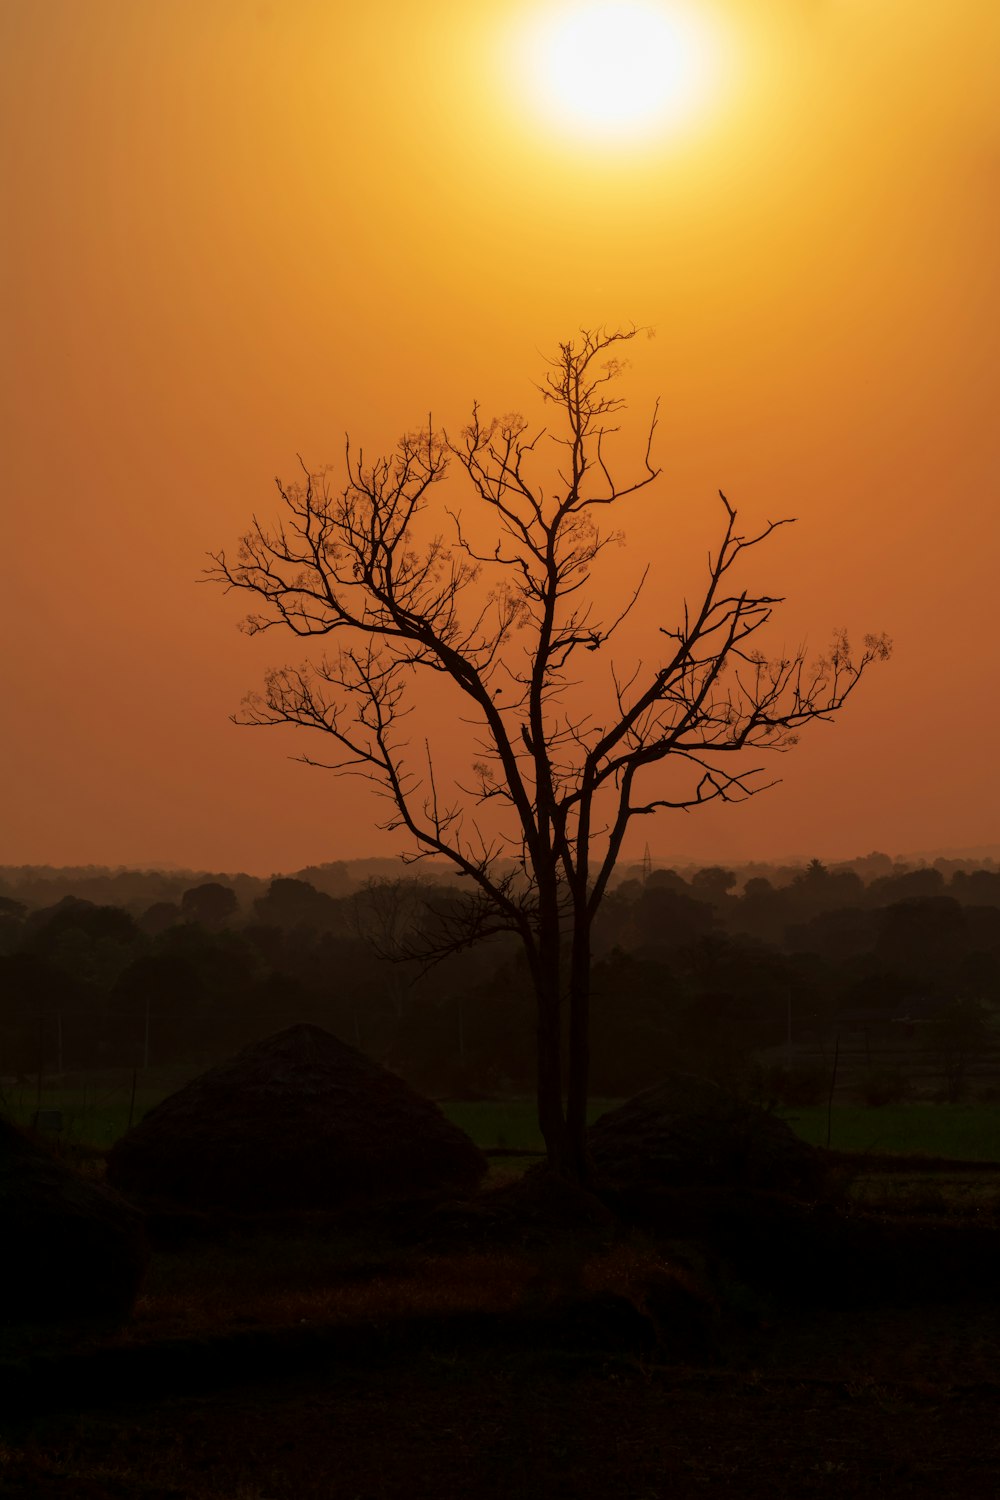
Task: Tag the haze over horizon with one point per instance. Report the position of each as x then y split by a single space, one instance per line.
234 232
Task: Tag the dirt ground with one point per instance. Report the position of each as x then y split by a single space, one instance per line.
516 1356
880 1403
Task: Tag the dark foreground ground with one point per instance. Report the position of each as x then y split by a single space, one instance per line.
512 1360
877 1405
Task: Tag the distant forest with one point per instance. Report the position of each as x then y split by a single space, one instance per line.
755 976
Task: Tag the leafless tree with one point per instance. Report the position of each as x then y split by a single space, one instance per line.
506 620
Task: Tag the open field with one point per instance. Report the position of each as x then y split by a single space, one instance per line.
97 1111
96 1108
963 1132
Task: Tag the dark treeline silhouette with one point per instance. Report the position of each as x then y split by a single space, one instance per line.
701 971
136 890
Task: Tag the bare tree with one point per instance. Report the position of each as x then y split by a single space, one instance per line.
506 621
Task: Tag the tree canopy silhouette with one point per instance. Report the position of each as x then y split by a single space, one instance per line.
503 607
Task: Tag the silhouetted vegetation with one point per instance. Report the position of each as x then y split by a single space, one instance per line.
753 979
499 613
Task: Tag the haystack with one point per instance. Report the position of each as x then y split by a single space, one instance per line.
297 1121
70 1248
689 1132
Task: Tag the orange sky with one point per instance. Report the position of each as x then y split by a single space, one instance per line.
233 231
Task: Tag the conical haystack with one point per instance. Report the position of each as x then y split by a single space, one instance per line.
69 1248
297 1121
689 1132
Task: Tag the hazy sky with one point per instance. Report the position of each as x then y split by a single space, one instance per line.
234 231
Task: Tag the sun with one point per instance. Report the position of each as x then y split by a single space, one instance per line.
614 68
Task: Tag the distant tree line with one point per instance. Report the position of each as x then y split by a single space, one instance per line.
697 972
136 890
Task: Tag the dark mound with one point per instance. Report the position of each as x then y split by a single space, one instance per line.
70 1248
688 1132
535 1211
817 1253
298 1121
542 1203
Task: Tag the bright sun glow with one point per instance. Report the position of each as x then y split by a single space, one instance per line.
615 67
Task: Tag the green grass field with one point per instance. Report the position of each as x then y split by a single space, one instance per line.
965 1132
97 1113
510 1124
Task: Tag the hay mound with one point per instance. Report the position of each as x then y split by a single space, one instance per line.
298 1121
688 1132
70 1248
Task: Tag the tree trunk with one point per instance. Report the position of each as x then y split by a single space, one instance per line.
546 974
551 1119
564 1130
579 1054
